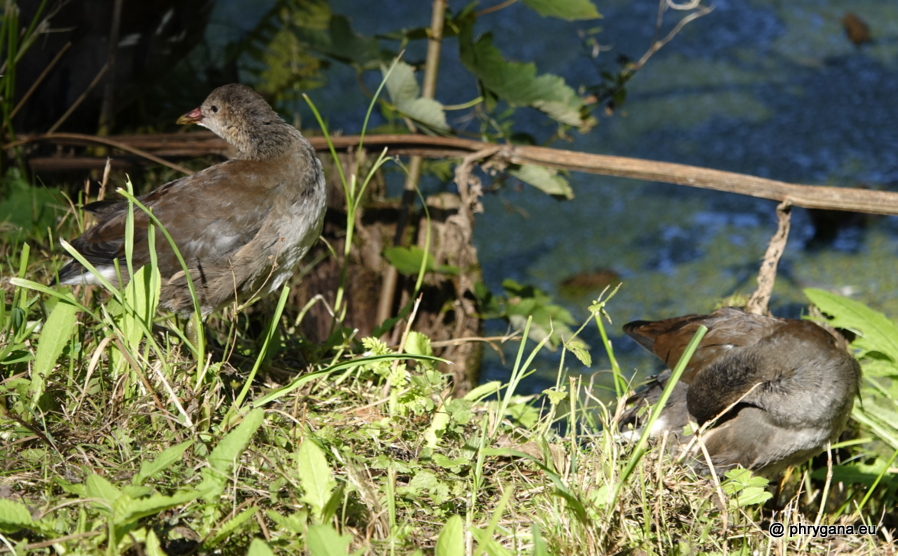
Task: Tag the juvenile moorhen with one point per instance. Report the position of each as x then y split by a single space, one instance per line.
798 387
242 226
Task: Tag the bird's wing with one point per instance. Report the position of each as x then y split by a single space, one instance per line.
208 214
728 328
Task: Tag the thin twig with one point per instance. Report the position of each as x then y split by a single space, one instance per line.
79 100
39 80
659 44
495 8
416 163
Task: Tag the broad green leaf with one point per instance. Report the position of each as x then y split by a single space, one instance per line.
437 426
152 546
880 420
426 111
55 335
135 491
545 179
451 541
341 43
407 260
221 459
295 523
418 344
401 83
144 507
259 548
570 10
315 476
98 487
13 516
517 83
580 350
323 540
749 489
223 456
333 504
548 319
483 391
141 298
231 525
880 333
149 469
406 95
555 396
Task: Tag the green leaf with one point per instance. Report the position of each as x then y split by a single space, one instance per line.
580 350
418 344
428 112
141 298
435 430
451 541
315 476
401 83
221 459
149 469
341 43
13 516
748 488
152 546
484 390
407 260
517 83
323 540
98 487
55 335
544 179
405 93
259 548
134 510
555 396
539 545
230 526
878 332
571 10
548 319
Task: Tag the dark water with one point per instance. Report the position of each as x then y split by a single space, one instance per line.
765 87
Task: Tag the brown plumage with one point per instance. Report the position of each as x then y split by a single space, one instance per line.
242 226
798 387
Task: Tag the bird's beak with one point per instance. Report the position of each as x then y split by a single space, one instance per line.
195 116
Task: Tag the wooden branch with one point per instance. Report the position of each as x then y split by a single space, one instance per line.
807 196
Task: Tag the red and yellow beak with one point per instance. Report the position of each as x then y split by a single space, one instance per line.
195 116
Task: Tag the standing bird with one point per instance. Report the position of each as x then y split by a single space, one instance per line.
242 226
792 388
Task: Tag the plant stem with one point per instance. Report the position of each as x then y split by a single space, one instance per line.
428 90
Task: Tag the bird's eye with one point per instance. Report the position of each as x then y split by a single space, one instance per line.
215 108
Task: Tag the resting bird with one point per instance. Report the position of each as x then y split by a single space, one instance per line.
797 387
242 226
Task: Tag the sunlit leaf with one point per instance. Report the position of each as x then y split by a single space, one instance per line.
570 10
315 476
451 541
545 179
517 82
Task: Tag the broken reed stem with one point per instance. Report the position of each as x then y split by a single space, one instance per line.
767 275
